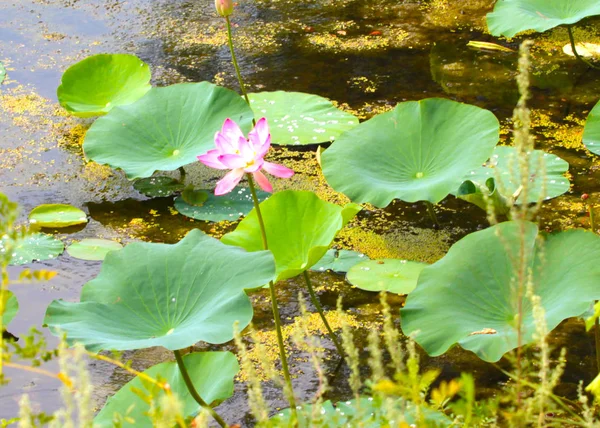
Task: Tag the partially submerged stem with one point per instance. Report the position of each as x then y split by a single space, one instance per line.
274 306
235 63
193 392
315 301
431 212
182 175
574 49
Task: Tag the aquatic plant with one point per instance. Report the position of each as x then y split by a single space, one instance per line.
339 261
56 216
92 248
2 72
591 132
26 248
96 85
392 275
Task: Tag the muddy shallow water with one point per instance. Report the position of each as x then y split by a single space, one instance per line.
366 55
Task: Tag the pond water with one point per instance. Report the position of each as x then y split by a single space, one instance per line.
366 55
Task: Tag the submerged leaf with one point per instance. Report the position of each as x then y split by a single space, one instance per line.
156 187
393 275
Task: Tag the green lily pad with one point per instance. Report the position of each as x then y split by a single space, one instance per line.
338 261
168 129
92 249
2 72
300 228
296 118
367 412
36 246
56 216
194 197
211 372
173 296
504 164
230 207
11 307
419 151
514 16
96 85
591 132
157 187
393 275
467 296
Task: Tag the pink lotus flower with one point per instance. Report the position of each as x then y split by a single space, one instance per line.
242 155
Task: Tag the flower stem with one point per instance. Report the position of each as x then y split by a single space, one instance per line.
274 307
235 63
315 301
574 49
194 393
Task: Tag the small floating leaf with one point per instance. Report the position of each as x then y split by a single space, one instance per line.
338 261
56 215
393 275
296 118
230 207
11 307
37 246
92 249
193 197
156 187
2 72
97 84
487 46
212 373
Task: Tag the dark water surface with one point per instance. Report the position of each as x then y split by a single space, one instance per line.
368 55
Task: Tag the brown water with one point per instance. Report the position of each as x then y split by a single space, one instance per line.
366 54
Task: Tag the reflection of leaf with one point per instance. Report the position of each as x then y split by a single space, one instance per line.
97 84
300 228
417 152
467 296
173 296
212 373
56 215
193 197
166 130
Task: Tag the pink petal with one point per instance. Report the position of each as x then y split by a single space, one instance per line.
246 150
224 145
227 183
278 170
211 159
263 181
231 130
258 164
232 161
260 136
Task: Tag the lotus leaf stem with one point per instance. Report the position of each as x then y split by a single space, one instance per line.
193 392
574 49
431 212
274 307
315 301
181 175
235 63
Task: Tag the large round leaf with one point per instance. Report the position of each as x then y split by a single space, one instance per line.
230 207
300 228
11 307
92 248
513 16
164 295
504 165
393 275
165 130
56 215
468 296
296 118
339 261
419 151
591 132
211 372
94 86
36 246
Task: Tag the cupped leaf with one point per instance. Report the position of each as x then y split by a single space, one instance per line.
156 187
92 248
56 216
2 72
591 132
469 296
36 246
419 151
510 17
296 118
300 228
393 275
164 295
338 261
166 130
484 194
11 307
212 374
97 84
503 165
230 206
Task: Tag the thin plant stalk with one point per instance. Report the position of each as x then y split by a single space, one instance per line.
574 49
315 301
235 63
182 175
274 307
194 393
431 212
